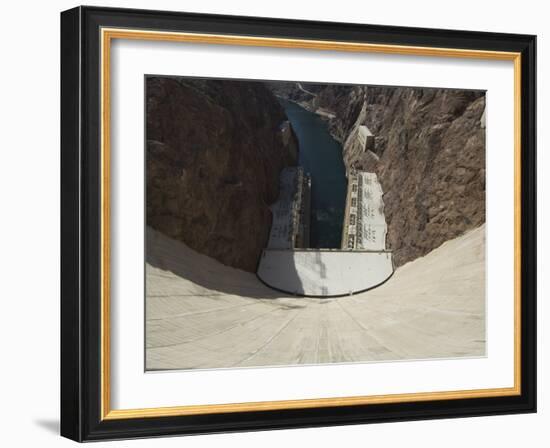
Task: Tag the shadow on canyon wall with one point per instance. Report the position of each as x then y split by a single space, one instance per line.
214 152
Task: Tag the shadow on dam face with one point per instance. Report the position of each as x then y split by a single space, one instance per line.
170 255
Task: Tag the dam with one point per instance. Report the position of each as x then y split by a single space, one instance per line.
202 314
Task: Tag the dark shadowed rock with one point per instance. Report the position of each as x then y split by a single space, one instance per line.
214 152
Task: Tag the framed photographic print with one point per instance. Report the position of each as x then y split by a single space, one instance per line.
275 224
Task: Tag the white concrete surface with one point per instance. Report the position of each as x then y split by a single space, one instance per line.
324 272
365 225
202 314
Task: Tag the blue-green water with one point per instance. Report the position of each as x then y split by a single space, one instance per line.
321 157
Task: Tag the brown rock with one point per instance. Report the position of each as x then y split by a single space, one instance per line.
214 153
430 145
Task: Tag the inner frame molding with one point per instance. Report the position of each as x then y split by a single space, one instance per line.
106 37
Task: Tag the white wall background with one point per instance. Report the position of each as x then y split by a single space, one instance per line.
29 228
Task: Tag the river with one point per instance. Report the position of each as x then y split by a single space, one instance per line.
321 156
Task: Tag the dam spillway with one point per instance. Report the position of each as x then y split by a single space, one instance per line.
361 263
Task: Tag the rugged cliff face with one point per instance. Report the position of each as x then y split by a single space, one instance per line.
428 150
214 152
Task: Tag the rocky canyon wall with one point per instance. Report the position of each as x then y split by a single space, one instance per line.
428 153
215 149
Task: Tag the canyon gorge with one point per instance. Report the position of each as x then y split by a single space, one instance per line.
428 153
215 149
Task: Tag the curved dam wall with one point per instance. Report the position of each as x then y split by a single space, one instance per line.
324 273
